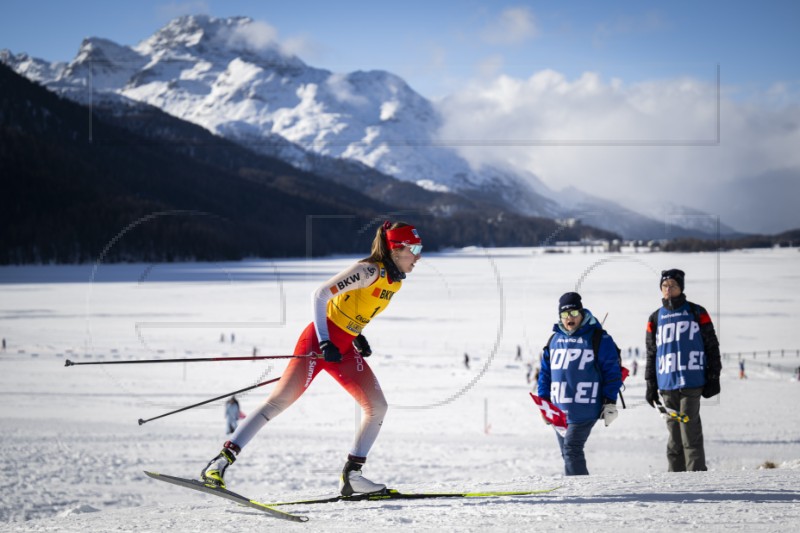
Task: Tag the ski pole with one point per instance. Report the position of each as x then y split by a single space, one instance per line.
141 421
667 413
191 360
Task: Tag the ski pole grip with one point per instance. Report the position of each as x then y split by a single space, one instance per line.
68 363
141 421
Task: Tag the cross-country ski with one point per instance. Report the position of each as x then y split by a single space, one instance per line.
392 494
228 495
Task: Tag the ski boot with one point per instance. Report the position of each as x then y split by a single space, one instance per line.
214 472
352 482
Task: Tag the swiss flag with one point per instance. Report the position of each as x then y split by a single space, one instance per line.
552 414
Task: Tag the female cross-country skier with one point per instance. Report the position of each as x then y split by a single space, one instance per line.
343 306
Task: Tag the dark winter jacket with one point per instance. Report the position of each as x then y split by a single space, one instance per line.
682 347
571 378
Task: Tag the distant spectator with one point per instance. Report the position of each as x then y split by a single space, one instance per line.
232 414
466 359
742 375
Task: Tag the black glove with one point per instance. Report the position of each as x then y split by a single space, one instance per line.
652 394
362 346
330 352
711 388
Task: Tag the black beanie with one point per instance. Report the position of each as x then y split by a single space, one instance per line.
569 300
673 273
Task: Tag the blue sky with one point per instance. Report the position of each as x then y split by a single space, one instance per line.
438 45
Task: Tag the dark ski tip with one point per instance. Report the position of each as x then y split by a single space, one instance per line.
197 485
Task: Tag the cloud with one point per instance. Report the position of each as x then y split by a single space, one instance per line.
514 25
259 36
340 87
641 143
256 36
303 47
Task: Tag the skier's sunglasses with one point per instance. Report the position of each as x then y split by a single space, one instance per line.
415 249
573 312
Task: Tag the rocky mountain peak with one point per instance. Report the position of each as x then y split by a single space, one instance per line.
201 36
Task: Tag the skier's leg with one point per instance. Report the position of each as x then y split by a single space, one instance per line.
294 381
357 378
355 375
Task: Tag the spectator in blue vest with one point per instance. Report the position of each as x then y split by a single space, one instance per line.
683 364
578 381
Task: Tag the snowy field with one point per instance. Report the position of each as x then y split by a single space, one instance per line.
73 452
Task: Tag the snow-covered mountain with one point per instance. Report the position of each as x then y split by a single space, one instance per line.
669 221
31 67
687 217
223 75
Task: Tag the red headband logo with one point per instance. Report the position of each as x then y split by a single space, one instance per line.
399 237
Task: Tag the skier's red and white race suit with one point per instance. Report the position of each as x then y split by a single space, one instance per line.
343 306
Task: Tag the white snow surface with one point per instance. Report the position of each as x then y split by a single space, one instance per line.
73 454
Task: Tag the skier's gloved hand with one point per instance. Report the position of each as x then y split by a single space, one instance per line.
362 346
711 388
330 352
609 412
652 393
